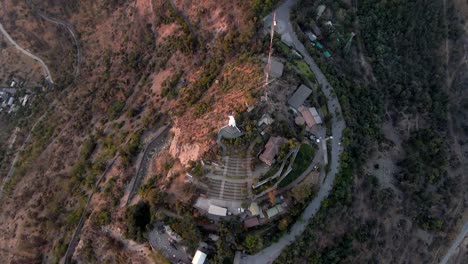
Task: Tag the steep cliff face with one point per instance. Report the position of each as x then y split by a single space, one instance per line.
122 69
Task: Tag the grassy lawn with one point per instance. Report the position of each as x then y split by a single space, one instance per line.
274 169
302 162
305 70
283 48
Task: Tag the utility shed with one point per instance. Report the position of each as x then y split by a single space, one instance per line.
299 96
311 36
276 68
319 45
272 212
216 210
315 114
254 209
199 257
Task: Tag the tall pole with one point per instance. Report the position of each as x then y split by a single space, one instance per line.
267 72
348 44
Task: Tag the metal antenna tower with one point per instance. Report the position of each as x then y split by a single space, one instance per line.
348 44
267 72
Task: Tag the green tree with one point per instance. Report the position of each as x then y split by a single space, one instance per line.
253 243
136 218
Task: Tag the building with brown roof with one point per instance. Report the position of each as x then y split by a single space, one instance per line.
251 222
271 150
310 116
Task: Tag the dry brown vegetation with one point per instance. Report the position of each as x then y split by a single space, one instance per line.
129 50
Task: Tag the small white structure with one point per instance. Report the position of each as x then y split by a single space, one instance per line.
217 210
213 237
311 36
232 121
10 101
199 257
24 100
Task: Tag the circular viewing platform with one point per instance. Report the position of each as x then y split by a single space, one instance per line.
230 132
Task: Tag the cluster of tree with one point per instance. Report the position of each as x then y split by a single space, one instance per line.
137 217
131 148
188 230
41 136
261 8
3 156
196 168
228 241
102 218
169 85
253 243
193 92
85 171
423 170
406 58
151 118
405 61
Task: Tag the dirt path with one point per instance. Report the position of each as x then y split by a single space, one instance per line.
156 143
447 50
456 244
47 74
69 28
76 235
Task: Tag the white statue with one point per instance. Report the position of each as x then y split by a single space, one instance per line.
232 121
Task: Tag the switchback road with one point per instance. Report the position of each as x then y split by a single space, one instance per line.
69 28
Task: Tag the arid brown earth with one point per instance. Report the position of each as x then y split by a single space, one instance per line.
130 52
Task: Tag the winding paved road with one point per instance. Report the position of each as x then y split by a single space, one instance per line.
456 244
268 255
154 146
47 74
75 239
65 24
